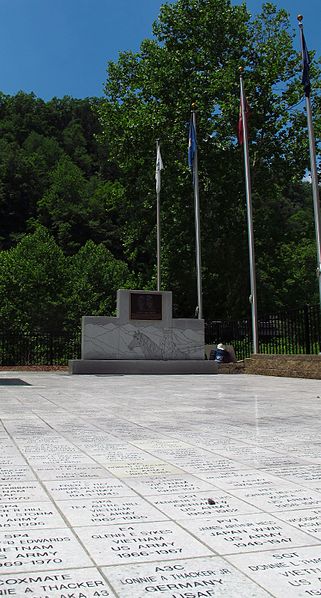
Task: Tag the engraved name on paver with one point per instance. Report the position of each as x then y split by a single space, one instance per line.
284 498
197 578
65 584
156 542
194 505
291 571
18 515
39 550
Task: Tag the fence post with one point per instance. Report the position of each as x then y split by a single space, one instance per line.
307 329
51 357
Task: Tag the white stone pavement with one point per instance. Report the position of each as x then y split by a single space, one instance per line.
165 486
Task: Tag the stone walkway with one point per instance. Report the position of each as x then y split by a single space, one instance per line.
165 486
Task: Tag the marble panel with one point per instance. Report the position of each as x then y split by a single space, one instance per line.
110 448
11 460
37 450
97 488
153 468
44 441
70 472
22 473
8 447
115 456
111 338
52 458
29 515
28 426
307 520
305 475
194 578
160 443
202 467
117 545
244 479
107 510
293 573
212 443
39 550
184 454
280 498
22 492
247 533
72 583
248 454
196 505
280 460
168 485
308 452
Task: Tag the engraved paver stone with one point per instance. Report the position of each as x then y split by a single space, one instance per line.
197 505
307 520
22 492
281 498
39 550
247 533
193 578
29 515
169 485
70 472
158 468
114 544
71 583
98 488
294 573
16 473
103 511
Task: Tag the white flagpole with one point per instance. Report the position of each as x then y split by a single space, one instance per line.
197 224
159 167
314 172
253 299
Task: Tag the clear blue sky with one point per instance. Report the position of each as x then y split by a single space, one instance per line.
61 47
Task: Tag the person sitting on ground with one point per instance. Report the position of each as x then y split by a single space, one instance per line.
220 355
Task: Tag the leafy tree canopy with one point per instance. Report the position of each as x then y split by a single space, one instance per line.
197 48
42 289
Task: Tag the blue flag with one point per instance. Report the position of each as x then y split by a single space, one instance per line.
191 145
305 68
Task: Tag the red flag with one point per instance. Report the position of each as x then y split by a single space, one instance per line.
240 123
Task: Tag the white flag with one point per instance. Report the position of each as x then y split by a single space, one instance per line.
159 167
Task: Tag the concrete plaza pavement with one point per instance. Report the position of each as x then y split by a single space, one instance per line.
165 486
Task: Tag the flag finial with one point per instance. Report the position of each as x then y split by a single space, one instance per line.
241 70
194 105
300 18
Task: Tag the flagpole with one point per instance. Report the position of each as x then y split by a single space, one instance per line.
314 171
158 225
197 223
253 299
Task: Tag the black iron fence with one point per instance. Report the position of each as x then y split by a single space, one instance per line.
287 332
38 348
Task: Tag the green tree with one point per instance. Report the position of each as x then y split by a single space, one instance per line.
197 48
63 206
34 137
94 277
33 289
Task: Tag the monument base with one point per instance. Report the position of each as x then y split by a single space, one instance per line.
141 366
143 338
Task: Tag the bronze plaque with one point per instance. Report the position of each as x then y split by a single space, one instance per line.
145 306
